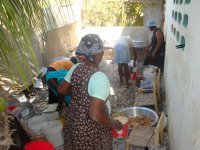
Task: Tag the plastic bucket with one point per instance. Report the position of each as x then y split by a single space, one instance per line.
35 145
36 123
123 118
133 76
51 116
54 133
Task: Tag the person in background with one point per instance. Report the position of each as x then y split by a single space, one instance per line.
122 50
52 80
155 55
88 125
62 64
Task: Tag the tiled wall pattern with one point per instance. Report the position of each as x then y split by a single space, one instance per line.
180 20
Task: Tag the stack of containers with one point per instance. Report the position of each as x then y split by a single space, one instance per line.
49 125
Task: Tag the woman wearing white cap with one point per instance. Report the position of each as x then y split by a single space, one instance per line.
156 55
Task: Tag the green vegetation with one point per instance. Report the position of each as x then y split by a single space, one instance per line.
19 19
114 12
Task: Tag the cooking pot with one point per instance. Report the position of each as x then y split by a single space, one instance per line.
137 111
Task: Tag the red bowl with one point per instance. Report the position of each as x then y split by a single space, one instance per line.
122 134
133 76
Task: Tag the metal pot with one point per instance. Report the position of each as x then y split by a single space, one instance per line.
139 44
141 112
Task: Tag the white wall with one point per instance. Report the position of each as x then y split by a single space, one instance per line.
182 78
111 34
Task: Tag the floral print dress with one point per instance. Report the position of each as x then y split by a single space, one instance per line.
80 132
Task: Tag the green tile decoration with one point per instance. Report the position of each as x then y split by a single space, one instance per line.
185 20
175 16
179 18
174 31
187 1
177 36
182 41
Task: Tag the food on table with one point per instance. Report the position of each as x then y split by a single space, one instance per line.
134 122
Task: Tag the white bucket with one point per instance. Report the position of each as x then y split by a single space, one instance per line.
51 116
36 123
54 133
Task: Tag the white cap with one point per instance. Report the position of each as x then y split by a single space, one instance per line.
151 23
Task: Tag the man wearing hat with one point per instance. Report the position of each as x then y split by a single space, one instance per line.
155 55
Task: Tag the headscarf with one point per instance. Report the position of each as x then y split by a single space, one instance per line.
89 46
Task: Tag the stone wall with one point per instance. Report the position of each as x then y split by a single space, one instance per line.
60 41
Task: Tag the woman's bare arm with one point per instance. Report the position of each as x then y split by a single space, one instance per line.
96 113
64 88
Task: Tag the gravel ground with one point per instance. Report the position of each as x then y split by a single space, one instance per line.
124 97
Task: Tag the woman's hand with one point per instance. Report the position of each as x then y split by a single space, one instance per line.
153 55
118 125
97 113
146 49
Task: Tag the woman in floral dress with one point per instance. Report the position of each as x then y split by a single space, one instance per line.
88 125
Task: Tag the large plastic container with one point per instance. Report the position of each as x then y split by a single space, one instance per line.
54 133
132 76
51 116
36 123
